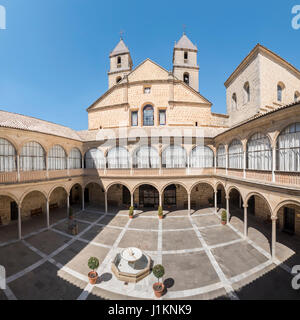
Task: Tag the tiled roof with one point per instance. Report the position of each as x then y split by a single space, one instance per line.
120 48
185 43
18 121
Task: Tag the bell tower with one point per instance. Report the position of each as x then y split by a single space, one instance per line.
185 65
120 63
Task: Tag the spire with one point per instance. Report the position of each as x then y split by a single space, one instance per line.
120 48
185 43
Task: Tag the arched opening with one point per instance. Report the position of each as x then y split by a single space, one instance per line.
202 157
32 157
234 102
8 219
118 197
118 79
75 159
288 148
280 91
119 60
186 78
75 197
246 92
7 156
94 196
174 157
174 198
94 159
202 196
235 205
146 197
235 155
57 158
297 96
221 197
148 115
58 202
118 158
33 212
288 216
221 156
259 152
145 157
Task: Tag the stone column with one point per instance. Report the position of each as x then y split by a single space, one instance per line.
18 168
47 167
68 167
244 165
216 204
189 203
68 205
131 199
160 199
227 208
82 162
105 195
273 164
274 220
19 223
48 213
245 221
215 164
226 161
82 197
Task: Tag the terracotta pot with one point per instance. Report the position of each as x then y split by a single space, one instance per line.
130 217
93 277
160 217
158 293
223 223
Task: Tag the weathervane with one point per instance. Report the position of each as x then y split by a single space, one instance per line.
121 34
184 28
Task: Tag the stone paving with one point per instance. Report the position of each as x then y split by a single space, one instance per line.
202 258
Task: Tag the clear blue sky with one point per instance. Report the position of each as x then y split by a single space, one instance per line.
54 53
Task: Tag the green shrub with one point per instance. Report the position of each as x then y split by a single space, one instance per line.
93 263
158 271
131 209
160 211
224 215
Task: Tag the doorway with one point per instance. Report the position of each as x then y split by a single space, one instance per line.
289 220
13 211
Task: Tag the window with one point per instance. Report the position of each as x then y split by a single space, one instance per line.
280 88
185 56
297 96
174 157
118 158
7 156
119 61
94 159
57 159
221 157
246 93
134 118
147 90
259 153
118 79
148 115
288 149
234 102
146 157
75 161
235 155
32 157
202 157
162 117
186 78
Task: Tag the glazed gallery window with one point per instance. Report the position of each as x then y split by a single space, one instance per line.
134 118
146 157
147 90
32 157
174 157
221 157
7 156
118 158
235 155
75 159
148 115
162 117
280 88
57 159
259 153
288 149
202 157
94 159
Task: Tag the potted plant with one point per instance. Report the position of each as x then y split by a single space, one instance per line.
70 213
93 264
160 212
158 287
131 210
224 217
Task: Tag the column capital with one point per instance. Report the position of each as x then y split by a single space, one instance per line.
245 205
227 197
274 218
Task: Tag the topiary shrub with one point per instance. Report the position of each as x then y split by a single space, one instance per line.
93 263
160 211
158 271
131 210
224 215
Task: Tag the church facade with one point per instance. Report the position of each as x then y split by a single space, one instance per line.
152 140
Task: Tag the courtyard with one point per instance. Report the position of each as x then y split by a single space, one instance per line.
202 258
